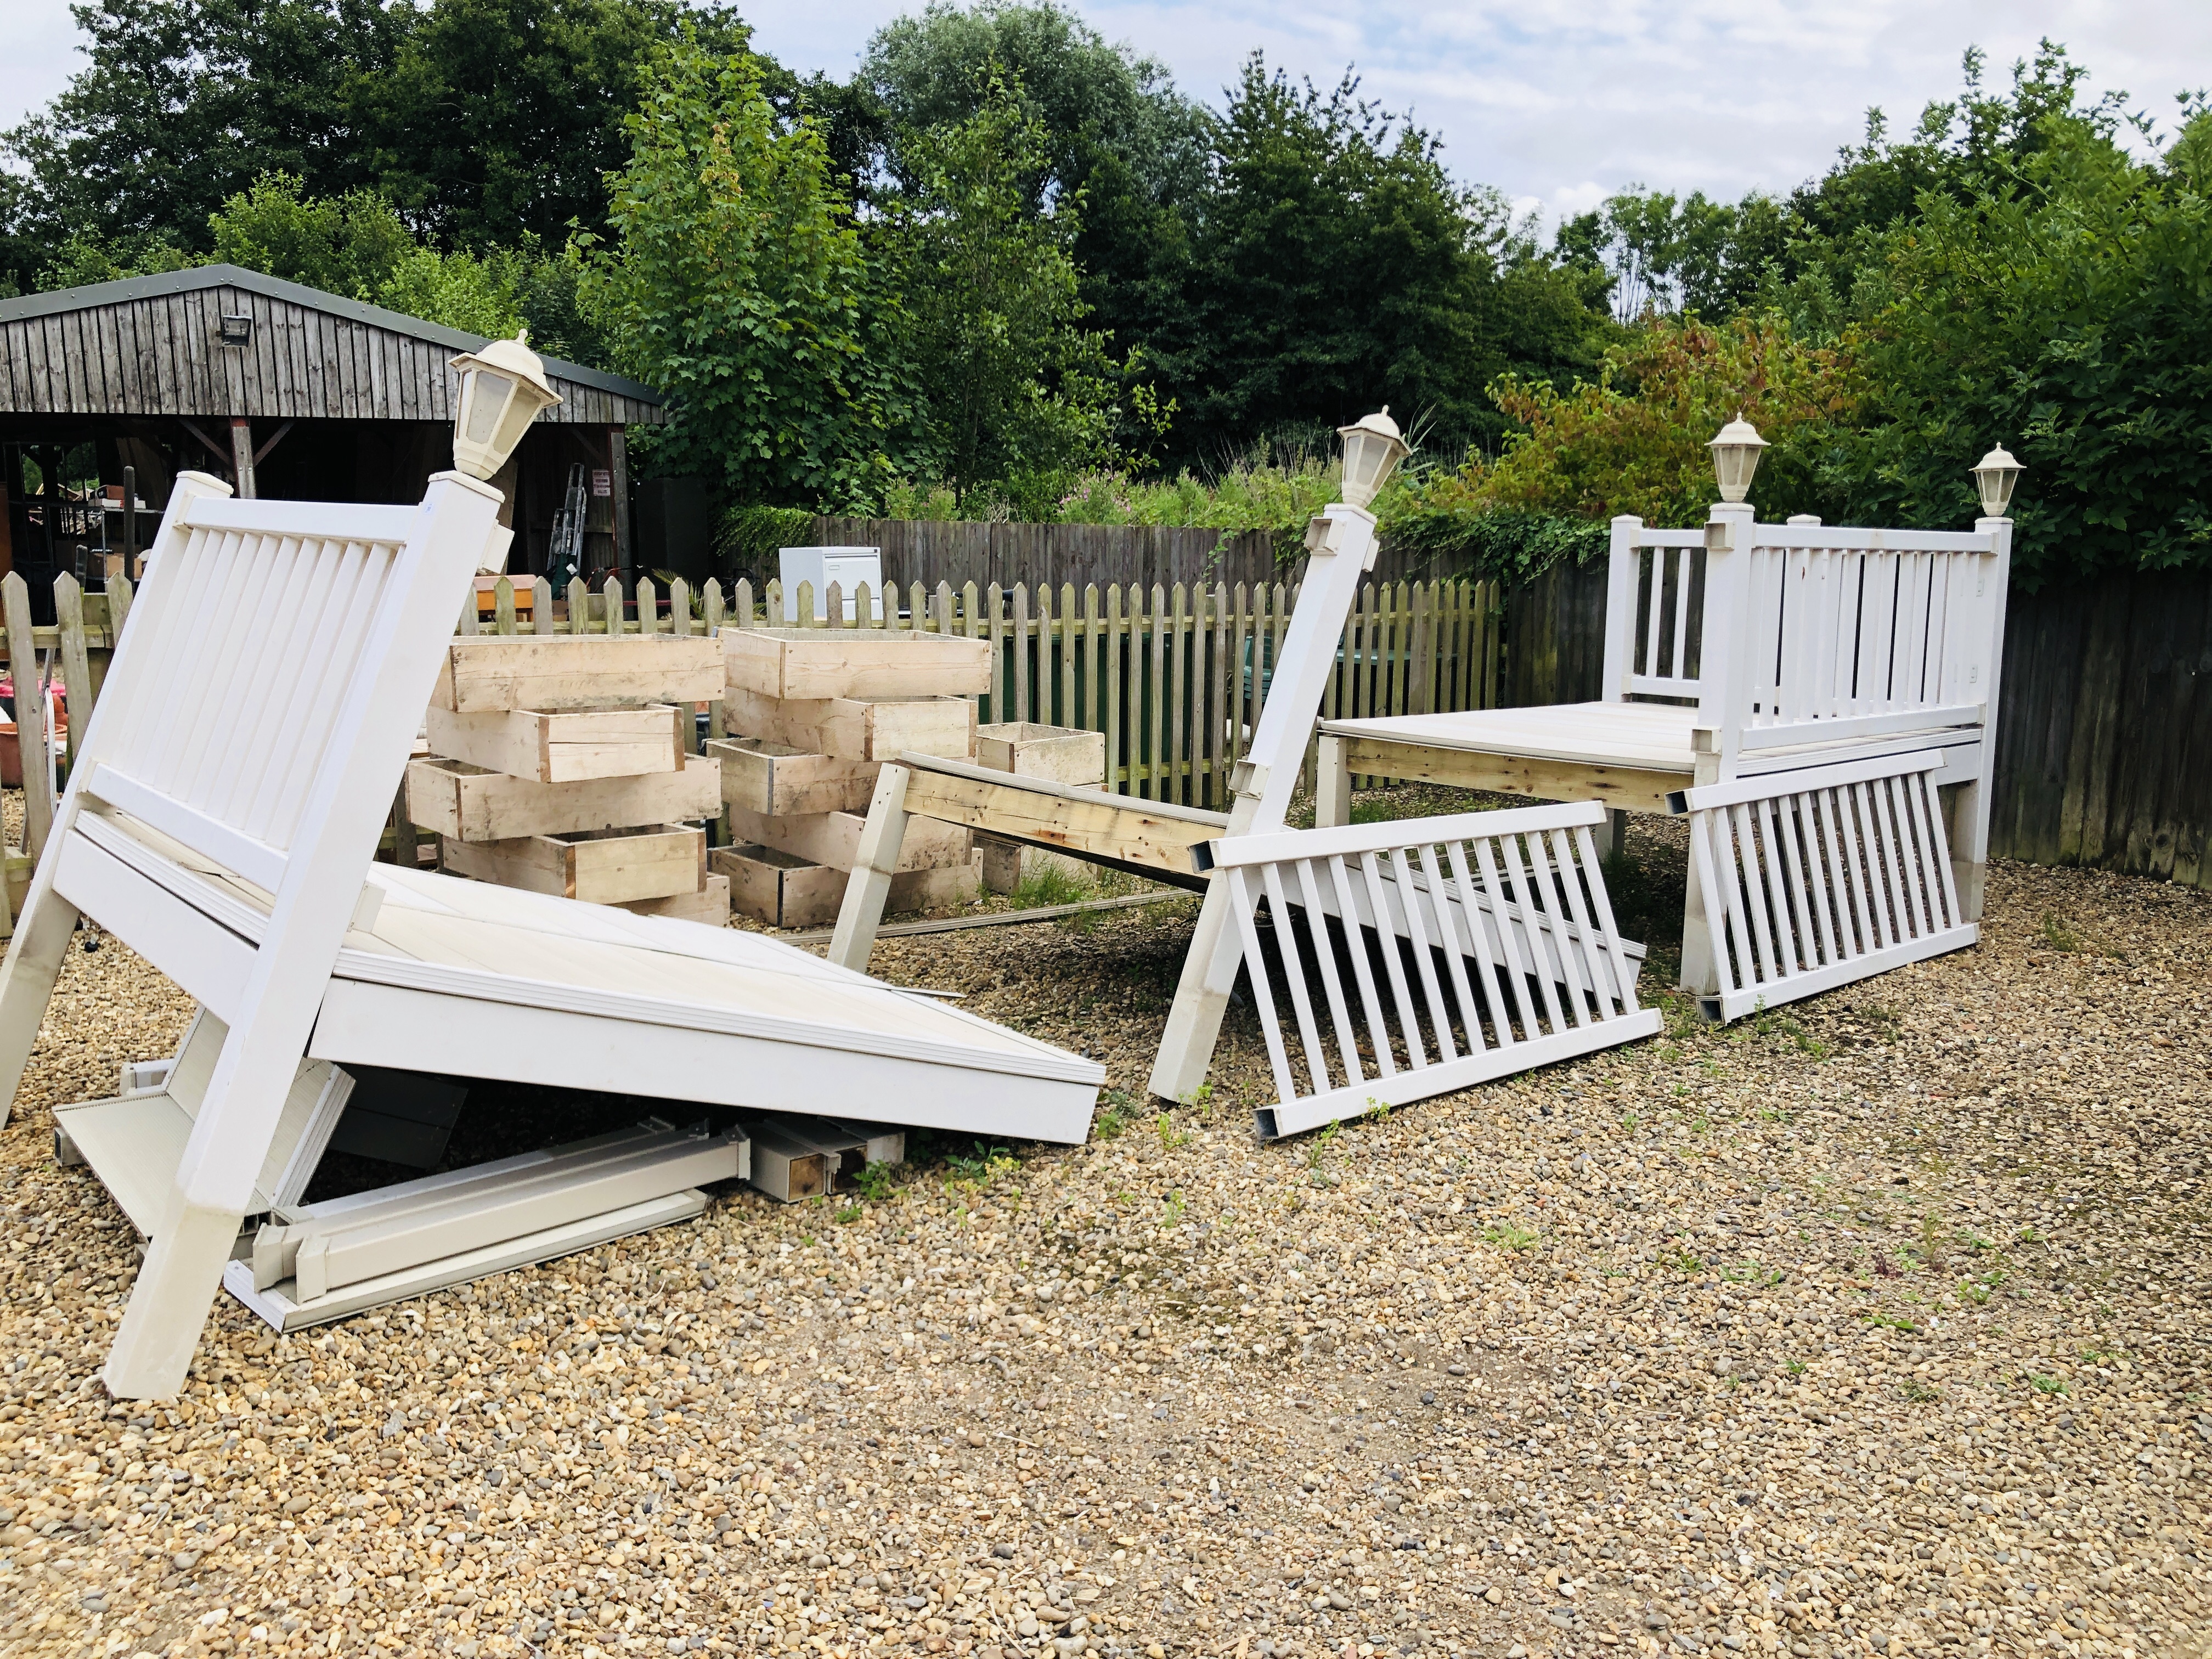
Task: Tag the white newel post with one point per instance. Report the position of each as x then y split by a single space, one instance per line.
1620 584
1340 548
1970 802
1723 703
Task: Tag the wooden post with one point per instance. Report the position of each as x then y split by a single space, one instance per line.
869 887
618 464
241 455
76 660
31 739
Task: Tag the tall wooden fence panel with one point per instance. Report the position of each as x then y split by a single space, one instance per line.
1034 555
2105 727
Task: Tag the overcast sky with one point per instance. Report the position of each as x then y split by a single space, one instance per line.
1556 102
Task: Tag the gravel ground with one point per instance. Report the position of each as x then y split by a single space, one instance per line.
1874 1325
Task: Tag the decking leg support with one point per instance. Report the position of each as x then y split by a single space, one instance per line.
869 888
169 1304
1331 786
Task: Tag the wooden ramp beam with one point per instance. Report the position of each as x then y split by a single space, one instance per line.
1152 839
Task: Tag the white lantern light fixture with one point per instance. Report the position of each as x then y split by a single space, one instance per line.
502 388
1736 449
1372 450
1994 480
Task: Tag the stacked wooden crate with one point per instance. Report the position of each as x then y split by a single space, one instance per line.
1057 754
561 764
814 713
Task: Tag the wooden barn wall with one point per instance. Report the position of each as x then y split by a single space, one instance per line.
158 355
2104 713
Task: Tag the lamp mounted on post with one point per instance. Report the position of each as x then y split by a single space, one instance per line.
1372 450
1735 450
1994 479
503 387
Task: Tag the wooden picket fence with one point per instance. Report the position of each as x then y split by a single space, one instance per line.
1174 676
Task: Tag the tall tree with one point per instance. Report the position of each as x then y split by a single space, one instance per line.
184 103
737 283
1336 264
1017 389
1112 132
501 119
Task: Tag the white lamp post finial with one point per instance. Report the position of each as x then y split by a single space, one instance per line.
1994 480
1372 450
503 387
1735 450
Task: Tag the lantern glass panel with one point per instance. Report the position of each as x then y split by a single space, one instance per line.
490 393
521 410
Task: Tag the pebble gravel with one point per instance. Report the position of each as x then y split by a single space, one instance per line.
1877 1325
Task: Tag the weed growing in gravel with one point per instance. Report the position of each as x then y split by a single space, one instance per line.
2058 935
1933 1244
1918 1392
1682 1261
1508 1236
2043 1384
1049 884
1172 1138
1172 1210
876 1181
1317 1151
1115 1117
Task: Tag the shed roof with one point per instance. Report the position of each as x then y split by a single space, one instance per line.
148 345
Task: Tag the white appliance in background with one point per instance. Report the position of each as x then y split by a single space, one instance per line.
848 566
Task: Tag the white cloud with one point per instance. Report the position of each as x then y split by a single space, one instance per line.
1569 101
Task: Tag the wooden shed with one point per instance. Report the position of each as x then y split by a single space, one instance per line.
284 391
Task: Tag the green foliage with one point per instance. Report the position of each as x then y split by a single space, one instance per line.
1018 394
351 244
501 119
2065 309
487 122
1335 265
183 103
1633 441
1113 131
749 536
738 285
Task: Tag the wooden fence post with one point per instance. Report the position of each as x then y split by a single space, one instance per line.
31 739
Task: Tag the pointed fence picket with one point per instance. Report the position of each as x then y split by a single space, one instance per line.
1175 676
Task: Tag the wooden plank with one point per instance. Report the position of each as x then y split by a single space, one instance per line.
497 673
470 803
710 906
1150 837
599 866
30 718
1623 787
564 746
804 664
75 663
